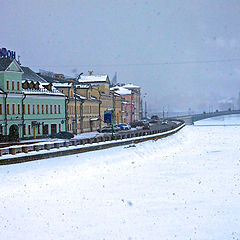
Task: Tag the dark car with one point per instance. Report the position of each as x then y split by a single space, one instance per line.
155 117
62 135
137 124
146 125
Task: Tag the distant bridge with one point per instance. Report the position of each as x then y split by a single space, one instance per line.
190 119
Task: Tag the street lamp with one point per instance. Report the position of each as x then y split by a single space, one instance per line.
145 102
75 102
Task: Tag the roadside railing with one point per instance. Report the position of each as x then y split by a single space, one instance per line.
60 144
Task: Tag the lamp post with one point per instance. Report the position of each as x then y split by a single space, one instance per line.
131 107
145 102
75 102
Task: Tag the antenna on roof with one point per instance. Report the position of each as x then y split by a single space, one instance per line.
19 60
79 76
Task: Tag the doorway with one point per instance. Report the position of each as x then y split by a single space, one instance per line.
13 133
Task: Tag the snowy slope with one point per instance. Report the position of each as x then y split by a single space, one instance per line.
185 186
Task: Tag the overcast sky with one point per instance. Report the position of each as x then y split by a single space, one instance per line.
183 53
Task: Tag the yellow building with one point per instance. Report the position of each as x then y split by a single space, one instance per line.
100 89
82 110
90 109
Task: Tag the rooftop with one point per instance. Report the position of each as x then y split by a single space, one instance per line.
43 90
30 75
121 90
93 78
131 86
4 63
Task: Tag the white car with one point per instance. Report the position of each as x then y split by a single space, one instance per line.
125 126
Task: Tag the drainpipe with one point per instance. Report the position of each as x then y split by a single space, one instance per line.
99 114
5 110
66 113
81 116
23 115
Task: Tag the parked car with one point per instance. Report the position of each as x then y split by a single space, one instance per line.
153 121
62 135
125 126
137 124
155 117
117 127
109 129
146 125
165 122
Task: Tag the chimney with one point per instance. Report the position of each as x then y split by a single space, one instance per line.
90 73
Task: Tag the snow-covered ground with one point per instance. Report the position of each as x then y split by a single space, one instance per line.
185 186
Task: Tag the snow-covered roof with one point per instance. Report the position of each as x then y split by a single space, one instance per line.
64 85
81 97
94 119
93 98
86 86
131 86
42 90
93 78
123 91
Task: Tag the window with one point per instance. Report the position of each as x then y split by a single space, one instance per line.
51 109
1 109
42 109
19 109
7 85
8 109
13 85
38 109
29 129
18 85
13 108
59 109
33 107
29 110
55 109
24 111
24 129
1 130
59 127
46 109
38 127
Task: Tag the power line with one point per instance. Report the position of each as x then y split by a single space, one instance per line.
142 64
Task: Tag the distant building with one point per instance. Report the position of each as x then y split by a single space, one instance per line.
126 96
100 86
136 99
131 101
226 104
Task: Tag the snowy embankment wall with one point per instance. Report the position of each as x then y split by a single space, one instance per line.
61 148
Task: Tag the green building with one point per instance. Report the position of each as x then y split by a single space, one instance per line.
30 107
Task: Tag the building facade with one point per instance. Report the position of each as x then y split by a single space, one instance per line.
29 107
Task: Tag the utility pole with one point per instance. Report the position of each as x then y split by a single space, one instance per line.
131 108
145 105
113 99
75 105
75 102
145 108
